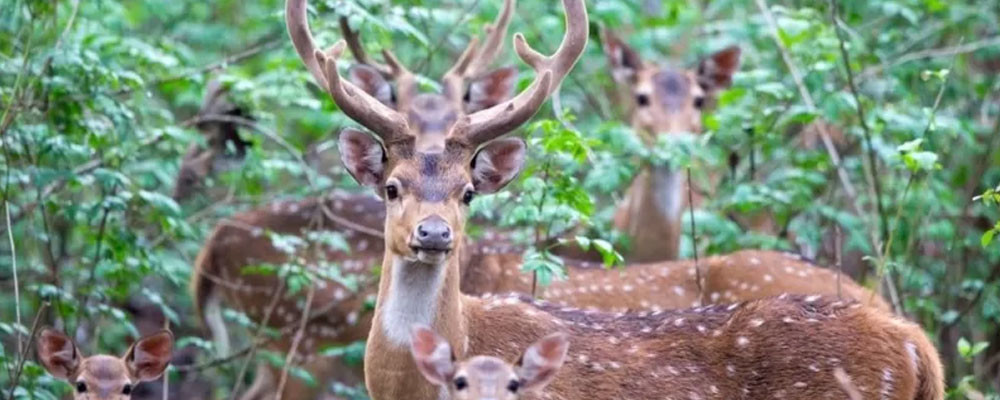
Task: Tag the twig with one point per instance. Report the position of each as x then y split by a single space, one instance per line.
23 354
838 248
694 241
931 53
831 149
13 263
269 42
995 274
872 162
296 341
279 292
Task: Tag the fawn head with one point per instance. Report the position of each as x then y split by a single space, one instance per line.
103 377
667 100
487 378
432 153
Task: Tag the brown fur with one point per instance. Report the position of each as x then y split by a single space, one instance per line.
104 377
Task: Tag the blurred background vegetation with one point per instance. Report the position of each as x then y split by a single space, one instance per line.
98 100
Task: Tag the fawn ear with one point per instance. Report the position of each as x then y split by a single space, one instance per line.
58 354
497 163
433 355
148 358
716 71
491 89
363 156
372 82
625 62
542 360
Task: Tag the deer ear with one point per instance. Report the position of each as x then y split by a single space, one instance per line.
433 355
363 156
542 360
58 354
494 88
148 358
716 71
497 164
372 82
625 62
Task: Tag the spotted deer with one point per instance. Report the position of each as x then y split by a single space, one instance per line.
662 101
104 377
485 377
428 172
242 241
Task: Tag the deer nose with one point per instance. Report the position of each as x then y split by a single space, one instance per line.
434 234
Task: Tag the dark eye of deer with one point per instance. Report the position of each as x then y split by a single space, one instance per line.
461 383
391 192
642 99
699 102
468 196
127 389
81 387
513 386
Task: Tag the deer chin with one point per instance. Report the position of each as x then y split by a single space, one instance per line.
430 256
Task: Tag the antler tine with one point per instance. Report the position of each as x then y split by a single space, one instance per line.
475 59
493 122
354 44
360 106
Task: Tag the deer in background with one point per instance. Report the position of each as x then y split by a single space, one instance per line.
103 377
428 172
662 101
485 377
225 148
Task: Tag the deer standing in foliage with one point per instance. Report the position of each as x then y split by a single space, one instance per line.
429 169
103 377
243 240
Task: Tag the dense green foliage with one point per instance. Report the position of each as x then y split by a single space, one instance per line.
97 98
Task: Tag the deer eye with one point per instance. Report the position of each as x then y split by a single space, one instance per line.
391 192
513 386
127 389
468 196
81 387
461 383
642 99
699 102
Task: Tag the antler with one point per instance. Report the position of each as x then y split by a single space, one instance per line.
395 71
475 59
493 122
360 106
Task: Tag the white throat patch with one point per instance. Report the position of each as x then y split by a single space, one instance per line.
668 191
412 299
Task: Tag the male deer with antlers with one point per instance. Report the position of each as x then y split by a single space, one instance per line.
429 168
104 377
240 241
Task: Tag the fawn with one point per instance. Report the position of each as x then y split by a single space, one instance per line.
103 377
485 377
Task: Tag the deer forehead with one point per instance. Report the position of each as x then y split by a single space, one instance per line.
432 176
485 369
104 371
670 87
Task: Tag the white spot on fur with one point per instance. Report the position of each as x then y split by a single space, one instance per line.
742 341
768 278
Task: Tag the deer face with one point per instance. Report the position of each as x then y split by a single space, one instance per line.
667 100
436 150
103 377
487 378
427 193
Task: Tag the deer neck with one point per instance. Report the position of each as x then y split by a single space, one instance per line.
655 205
411 293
